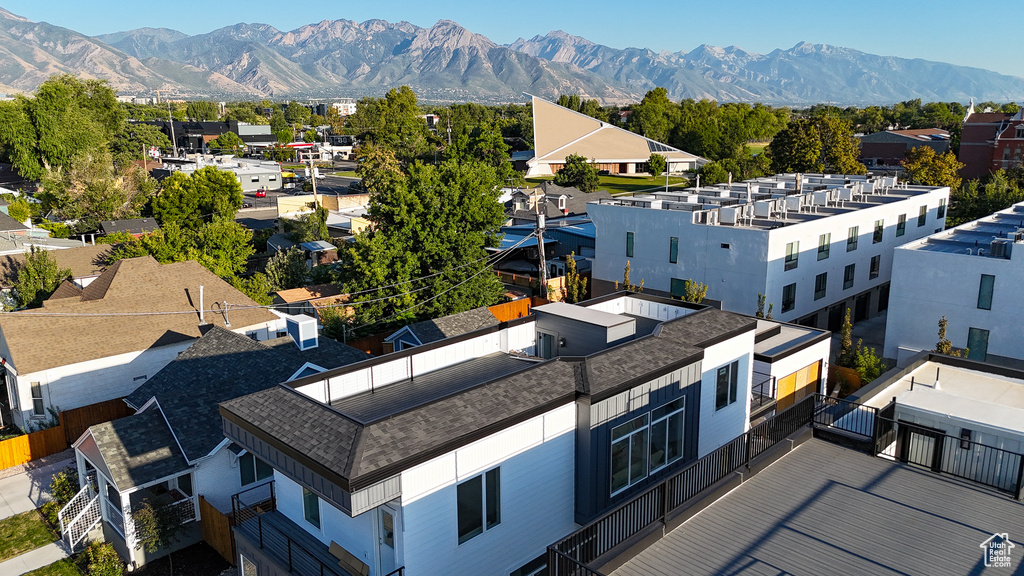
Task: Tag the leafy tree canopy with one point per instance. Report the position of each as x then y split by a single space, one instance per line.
227 143
222 246
823 143
133 141
202 110
657 164
38 278
923 166
287 269
394 122
91 190
206 195
578 172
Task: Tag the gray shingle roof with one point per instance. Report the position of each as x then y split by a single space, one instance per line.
8 223
363 444
453 325
220 366
138 449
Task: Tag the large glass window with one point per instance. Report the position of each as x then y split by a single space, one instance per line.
629 244
252 469
677 287
673 249
788 297
985 291
479 504
726 385
851 238
311 507
792 255
977 344
629 453
667 434
824 245
876 265
879 230
942 209
901 225
848 276
820 284
922 216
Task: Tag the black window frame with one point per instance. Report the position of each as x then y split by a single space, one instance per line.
673 249
478 496
966 435
307 514
792 255
985 294
875 267
824 245
852 236
630 241
901 225
922 215
879 232
789 303
251 466
820 285
849 275
38 404
941 211
726 385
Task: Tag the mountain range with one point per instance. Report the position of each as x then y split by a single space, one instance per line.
447 62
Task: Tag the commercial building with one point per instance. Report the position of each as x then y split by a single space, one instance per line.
813 244
990 141
251 174
889 147
972 275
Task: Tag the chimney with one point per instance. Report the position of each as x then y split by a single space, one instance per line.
303 331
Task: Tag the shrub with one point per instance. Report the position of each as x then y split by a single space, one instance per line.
102 560
64 485
51 511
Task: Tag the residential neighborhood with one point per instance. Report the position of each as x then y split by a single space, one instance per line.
384 300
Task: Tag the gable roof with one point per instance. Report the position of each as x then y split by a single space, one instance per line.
131 226
8 223
448 326
136 304
138 449
559 131
306 293
83 261
223 365
67 289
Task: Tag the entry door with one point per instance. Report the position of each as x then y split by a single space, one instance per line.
545 345
386 540
921 446
860 311
835 317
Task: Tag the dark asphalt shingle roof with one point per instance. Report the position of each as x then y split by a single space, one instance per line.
138 449
453 325
364 440
8 223
220 366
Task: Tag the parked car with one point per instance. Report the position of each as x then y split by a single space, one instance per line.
261 193
246 204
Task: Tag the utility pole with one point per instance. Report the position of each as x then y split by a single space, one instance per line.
312 175
170 120
540 250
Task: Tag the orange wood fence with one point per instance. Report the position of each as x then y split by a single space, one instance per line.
217 530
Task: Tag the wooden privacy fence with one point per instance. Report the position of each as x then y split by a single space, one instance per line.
217 530
28 447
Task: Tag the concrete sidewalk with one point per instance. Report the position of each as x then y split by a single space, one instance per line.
34 559
28 489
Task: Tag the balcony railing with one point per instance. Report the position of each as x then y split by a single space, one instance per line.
762 393
874 430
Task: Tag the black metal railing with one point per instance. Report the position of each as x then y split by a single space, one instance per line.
652 508
763 392
248 508
400 571
845 416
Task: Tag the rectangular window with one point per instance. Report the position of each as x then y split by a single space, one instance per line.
879 230
792 255
848 276
629 453
37 399
977 344
273 178
673 249
252 469
876 264
311 508
479 504
922 216
678 287
851 238
629 244
12 390
254 178
667 434
901 225
941 213
965 439
824 245
727 385
985 291
820 282
788 297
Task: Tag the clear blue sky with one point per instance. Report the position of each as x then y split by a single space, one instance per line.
981 33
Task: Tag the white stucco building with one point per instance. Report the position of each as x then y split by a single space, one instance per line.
813 244
972 275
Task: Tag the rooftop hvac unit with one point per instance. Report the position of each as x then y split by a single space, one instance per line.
763 208
794 203
820 198
999 248
728 215
846 194
868 187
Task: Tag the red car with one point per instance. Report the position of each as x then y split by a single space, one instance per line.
261 193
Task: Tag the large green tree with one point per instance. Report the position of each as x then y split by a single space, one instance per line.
134 139
655 115
227 143
287 269
205 195
38 277
578 172
394 122
202 110
923 166
222 246
91 189
427 222
823 143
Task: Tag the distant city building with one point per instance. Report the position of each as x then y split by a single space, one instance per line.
970 274
192 137
251 174
890 147
990 141
559 132
812 244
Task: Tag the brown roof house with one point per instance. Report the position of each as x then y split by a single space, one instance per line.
85 262
310 300
101 342
559 132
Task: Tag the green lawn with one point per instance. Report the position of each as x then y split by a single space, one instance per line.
65 567
23 532
757 147
624 184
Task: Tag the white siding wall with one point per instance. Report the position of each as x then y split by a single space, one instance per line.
792 363
929 285
755 259
641 307
217 478
537 479
353 534
721 426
